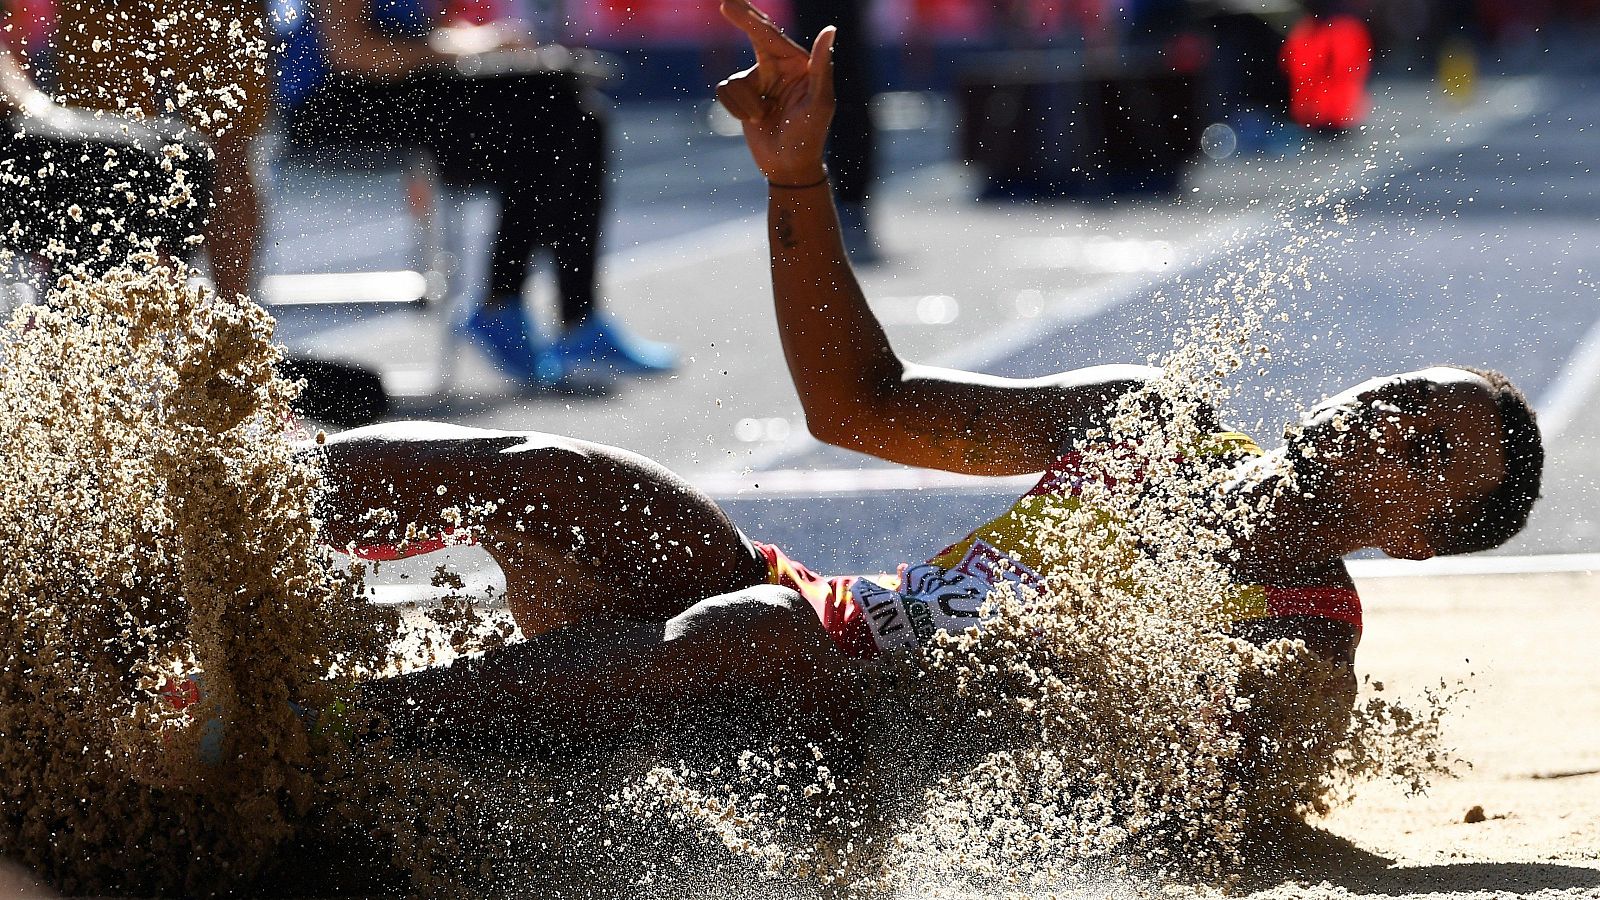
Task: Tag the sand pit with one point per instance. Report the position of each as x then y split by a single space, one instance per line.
1118 729
1123 764
1530 728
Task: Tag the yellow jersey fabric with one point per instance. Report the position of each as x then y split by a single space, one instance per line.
947 592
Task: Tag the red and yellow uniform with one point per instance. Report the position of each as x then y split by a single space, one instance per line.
868 614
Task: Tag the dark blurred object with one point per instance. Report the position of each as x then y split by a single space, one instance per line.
192 61
68 172
1245 76
852 139
1247 95
1038 126
336 393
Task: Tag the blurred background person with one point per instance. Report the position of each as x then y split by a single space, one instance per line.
852 141
495 111
202 60
1245 86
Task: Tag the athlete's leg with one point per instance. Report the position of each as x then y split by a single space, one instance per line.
762 644
583 531
538 139
236 219
215 64
574 235
126 63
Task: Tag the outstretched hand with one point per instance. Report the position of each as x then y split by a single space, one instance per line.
784 101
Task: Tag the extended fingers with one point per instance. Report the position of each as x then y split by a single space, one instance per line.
741 96
764 34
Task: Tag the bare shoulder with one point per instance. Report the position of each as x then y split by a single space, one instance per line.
1112 380
1069 404
435 449
1105 385
1076 404
411 432
410 438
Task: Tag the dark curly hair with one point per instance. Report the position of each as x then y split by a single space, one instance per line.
1494 518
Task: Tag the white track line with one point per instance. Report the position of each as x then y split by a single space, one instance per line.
488 589
1443 566
1566 396
832 482
619 267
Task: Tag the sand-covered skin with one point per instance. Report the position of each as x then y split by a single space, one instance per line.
158 539
1530 727
1105 721
1522 645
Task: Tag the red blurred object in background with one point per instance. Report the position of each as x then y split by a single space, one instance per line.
1188 53
473 12
33 22
1326 59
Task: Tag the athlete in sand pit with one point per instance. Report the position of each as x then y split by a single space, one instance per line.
641 599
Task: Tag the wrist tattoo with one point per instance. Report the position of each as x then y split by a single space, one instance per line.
783 230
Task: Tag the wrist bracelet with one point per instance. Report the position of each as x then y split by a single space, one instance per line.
801 187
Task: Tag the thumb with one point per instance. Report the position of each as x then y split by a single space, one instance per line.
820 70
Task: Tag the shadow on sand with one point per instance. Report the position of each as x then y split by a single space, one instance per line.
1294 851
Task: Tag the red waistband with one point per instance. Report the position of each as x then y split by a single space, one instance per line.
449 537
1338 603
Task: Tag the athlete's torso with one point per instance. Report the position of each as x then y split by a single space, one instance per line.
947 592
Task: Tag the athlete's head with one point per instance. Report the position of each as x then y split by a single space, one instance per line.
1439 461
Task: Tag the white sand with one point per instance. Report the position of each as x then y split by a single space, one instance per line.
1529 645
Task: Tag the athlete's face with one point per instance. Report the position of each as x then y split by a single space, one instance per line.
1395 454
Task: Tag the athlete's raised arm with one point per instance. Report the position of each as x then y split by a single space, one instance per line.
856 392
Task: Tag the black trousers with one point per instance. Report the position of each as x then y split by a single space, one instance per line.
852 143
536 140
89 190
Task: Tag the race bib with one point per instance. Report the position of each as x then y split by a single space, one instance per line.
930 599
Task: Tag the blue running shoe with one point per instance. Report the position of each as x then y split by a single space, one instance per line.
503 331
601 344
